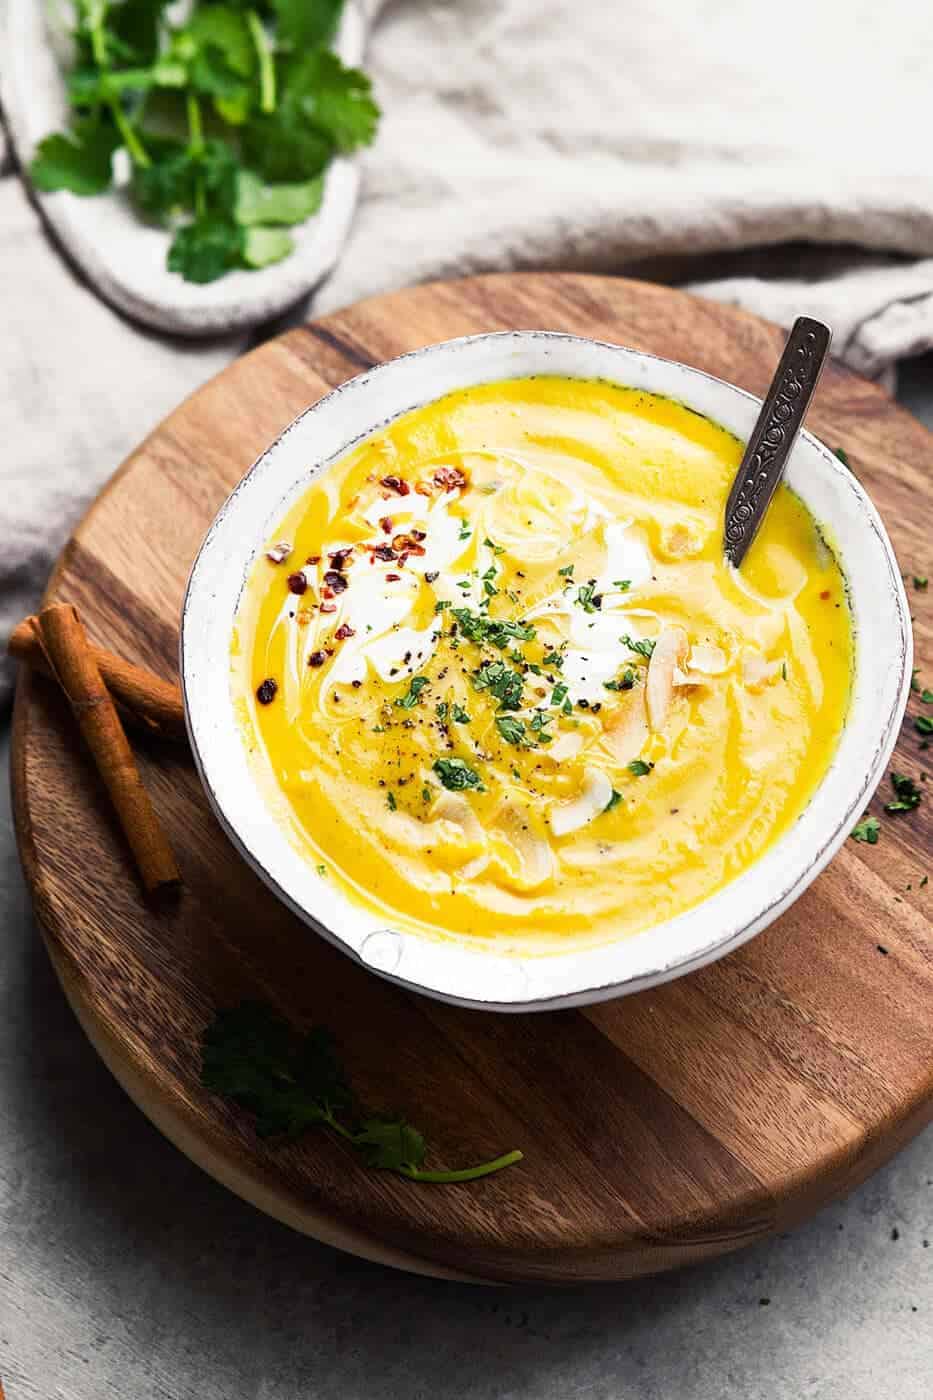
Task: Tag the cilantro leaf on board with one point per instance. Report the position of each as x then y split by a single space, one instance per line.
867 831
907 795
80 160
292 1081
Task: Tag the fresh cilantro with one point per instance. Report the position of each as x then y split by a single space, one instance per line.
496 548
614 801
553 658
914 678
259 203
566 571
426 794
640 768
204 250
587 598
566 708
641 648
558 693
920 583
867 831
391 802
907 795
465 531
923 725
322 869
927 697
410 698
456 774
441 604
292 1082
622 583
440 709
502 682
79 160
626 682
248 107
494 631
512 730
460 714
843 457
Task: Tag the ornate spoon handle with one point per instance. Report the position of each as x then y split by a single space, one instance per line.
774 434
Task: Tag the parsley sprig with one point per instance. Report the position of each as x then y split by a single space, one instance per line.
229 121
292 1082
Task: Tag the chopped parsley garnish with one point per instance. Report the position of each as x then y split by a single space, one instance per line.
292 1081
496 548
441 604
623 583
494 631
512 730
927 697
614 801
566 708
642 648
390 801
552 658
640 768
456 774
587 598
907 795
410 698
440 709
502 682
425 794
920 583
923 725
867 831
460 714
626 682
566 571
465 531
558 693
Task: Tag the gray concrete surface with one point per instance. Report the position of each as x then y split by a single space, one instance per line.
126 1274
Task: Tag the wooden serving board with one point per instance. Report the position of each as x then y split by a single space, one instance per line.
657 1129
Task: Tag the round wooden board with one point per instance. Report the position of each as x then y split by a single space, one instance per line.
657 1129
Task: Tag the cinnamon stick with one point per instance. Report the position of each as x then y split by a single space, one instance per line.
155 703
69 653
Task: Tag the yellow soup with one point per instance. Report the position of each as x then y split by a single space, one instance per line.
498 681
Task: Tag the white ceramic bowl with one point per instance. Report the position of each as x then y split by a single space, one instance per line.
474 976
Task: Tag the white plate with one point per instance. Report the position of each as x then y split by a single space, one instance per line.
472 976
123 257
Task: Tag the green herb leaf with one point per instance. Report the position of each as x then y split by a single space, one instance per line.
502 682
640 768
867 830
927 697
920 583
391 802
410 698
206 249
460 714
614 801
906 793
512 730
262 246
626 682
587 598
923 724
456 774
641 648
335 99
304 24
390 1144
495 631
566 571
79 160
259 203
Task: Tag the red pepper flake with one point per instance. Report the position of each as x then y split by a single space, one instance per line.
408 544
266 692
451 478
383 551
297 583
387 524
328 607
431 575
424 488
317 658
825 594
418 534
279 552
303 618
343 632
396 484
393 578
341 557
335 580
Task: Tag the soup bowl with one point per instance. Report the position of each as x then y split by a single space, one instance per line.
478 975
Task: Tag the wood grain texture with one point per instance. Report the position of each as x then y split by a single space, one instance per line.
658 1129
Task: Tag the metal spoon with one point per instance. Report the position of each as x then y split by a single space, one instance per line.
774 434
